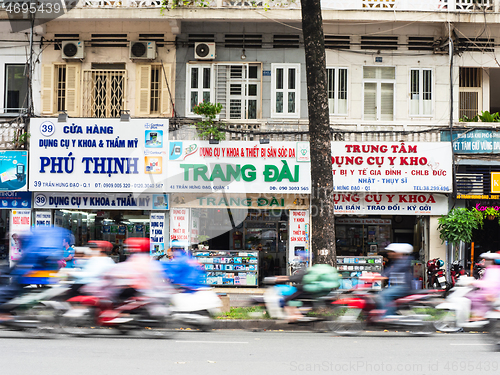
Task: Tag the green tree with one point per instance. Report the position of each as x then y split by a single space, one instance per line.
458 225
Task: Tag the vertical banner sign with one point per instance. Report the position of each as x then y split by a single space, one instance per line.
298 237
195 226
43 218
179 228
157 233
19 223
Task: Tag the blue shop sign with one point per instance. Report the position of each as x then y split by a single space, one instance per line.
474 141
13 170
15 199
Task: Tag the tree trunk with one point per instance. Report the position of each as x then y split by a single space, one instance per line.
322 206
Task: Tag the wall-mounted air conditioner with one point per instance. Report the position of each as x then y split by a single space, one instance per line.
143 50
73 49
204 51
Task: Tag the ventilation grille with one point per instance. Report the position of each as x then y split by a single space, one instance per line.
476 44
379 42
470 183
158 38
59 38
337 41
200 38
243 41
108 40
421 43
286 41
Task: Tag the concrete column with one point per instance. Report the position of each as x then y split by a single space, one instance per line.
436 248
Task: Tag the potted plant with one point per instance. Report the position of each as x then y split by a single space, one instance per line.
458 224
207 128
490 213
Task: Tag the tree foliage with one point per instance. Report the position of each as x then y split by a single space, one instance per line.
458 225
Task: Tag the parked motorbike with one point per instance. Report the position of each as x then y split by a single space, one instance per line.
356 309
436 276
478 270
457 270
457 308
146 314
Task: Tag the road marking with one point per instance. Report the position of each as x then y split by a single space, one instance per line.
471 344
216 342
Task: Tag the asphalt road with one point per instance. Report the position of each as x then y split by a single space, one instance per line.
241 352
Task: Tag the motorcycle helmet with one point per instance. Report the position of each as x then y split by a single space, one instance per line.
104 246
403 248
137 245
440 263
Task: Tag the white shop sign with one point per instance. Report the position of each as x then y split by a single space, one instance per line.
392 167
158 232
43 218
98 155
179 227
239 167
104 201
390 204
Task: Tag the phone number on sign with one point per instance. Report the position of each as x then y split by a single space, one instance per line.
288 188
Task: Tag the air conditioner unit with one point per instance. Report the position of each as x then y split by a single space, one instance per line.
204 51
73 49
470 184
143 50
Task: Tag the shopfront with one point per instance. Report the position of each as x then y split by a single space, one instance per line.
387 192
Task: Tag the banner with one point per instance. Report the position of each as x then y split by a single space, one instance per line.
43 218
390 204
20 222
15 199
104 201
474 141
298 237
13 170
239 167
98 155
159 228
179 227
392 167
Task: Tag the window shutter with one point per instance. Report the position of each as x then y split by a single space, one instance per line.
143 80
72 89
387 101
166 82
370 105
48 89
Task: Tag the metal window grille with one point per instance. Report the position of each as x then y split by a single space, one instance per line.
155 88
470 94
103 93
61 87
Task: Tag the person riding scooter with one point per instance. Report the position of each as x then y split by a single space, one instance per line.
399 277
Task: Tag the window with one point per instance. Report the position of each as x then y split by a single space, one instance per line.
60 89
420 92
235 86
16 88
285 90
470 92
103 92
337 90
153 95
378 85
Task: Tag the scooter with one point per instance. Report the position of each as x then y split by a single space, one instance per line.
196 307
457 308
457 270
493 326
436 276
146 314
357 309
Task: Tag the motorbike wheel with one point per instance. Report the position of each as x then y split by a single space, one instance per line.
43 321
79 326
256 319
346 321
157 328
425 325
494 333
447 322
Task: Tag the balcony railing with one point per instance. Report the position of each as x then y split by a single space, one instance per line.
372 5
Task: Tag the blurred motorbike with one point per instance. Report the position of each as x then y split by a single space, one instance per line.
493 325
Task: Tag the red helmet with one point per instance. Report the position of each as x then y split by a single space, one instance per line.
137 244
103 245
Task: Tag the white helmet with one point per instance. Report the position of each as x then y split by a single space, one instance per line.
403 248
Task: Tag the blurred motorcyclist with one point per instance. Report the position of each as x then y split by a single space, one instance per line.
488 286
399 276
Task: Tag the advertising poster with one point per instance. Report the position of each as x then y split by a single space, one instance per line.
43 218
157 233
98 155
298 235
15 199
239 167
392 167
179 227
20 222
13 170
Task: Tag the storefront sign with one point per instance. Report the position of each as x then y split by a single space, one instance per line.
43 218
262 201
238 167
392 204
297 239
477 196
20 222
15 199
159 228
495 182
474 142
13 170
179 227
354 221
98 155
104 201
392 166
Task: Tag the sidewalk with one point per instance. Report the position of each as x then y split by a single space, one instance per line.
238 296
